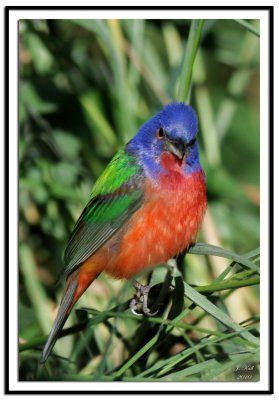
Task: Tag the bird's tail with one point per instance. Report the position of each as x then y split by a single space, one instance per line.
74 289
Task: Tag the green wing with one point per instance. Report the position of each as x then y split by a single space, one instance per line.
117 194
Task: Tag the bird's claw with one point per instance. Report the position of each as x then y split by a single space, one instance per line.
141 297
133 306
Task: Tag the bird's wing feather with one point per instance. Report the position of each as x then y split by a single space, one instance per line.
117 194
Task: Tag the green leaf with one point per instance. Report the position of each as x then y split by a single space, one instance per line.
248 26
240 359
30 98
100 126
67 143
41 56
209 249
199 368
215 312
34 287
190 54
227 284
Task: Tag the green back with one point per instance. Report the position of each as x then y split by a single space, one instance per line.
116 195
121 168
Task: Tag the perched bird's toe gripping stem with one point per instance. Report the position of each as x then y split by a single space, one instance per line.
141 297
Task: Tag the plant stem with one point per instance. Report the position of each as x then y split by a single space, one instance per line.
191 51
224 285
218 314
228 284
248 26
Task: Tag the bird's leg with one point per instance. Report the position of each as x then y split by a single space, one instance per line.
141 297
136 299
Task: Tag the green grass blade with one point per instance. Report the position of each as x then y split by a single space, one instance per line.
248 26
164 366
137 355
228 284
34 287
194 369
210 308
97 119
191 51
241 359
209 249
252 253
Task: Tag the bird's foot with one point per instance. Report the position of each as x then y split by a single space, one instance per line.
141 298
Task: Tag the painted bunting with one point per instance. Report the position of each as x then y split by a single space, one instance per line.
145 208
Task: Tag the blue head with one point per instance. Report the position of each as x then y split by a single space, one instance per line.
173 130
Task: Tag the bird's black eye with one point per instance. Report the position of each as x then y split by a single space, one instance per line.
191 143
160 133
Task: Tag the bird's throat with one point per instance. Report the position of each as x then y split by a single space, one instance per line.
171 162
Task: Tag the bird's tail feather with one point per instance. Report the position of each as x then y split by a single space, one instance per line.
63 313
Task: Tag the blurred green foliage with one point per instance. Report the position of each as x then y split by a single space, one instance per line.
85 88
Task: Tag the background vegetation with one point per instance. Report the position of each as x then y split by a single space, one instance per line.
85 88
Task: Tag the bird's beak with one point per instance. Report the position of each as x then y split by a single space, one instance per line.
177 148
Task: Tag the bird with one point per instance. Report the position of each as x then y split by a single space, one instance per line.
146 208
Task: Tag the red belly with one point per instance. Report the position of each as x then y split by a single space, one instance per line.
165 225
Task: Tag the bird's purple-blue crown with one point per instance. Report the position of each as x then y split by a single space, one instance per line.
175 128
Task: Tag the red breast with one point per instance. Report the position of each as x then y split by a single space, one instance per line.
164 226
